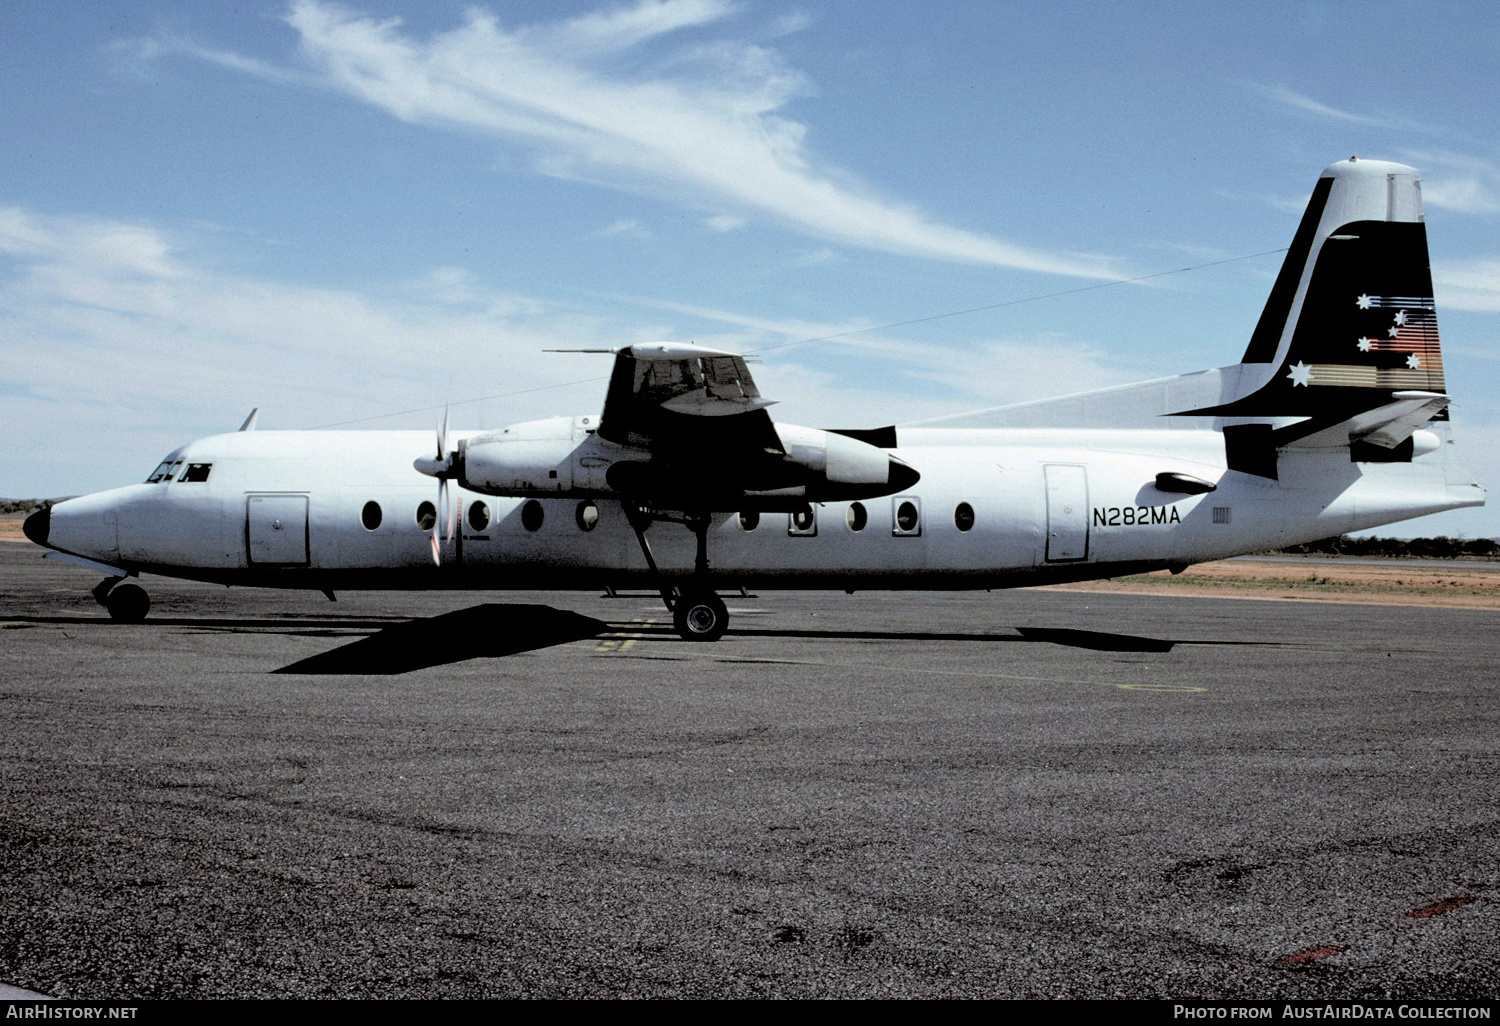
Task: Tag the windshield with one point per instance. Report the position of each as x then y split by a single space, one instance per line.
165 471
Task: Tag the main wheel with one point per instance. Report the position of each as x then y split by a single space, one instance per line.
128 603
700 616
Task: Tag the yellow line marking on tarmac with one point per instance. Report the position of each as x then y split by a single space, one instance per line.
1162 688
620 641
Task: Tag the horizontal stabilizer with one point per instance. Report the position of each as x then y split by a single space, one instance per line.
1386 426
1410 411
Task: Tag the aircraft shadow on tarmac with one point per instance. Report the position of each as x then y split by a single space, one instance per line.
489 631
394 645
493 630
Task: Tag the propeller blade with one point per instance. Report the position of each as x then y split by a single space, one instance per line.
440 469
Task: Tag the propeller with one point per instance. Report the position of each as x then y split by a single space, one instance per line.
441 467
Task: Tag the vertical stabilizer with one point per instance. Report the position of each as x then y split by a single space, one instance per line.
1350 320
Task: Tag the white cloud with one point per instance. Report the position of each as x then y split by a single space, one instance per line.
1462 196
973 376
725 222
1297 100
113 337
625 226
814 257
920 382
624 27
701 125
167 44
1467 284
118 342
1457 182
789 23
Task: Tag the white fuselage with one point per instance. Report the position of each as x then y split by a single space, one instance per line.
291 508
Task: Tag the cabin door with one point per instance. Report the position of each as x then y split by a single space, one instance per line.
276 530
1067 513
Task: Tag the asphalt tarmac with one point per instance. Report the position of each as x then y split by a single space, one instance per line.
1019 794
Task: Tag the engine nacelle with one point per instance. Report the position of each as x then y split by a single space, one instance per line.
836 459
534 458
562 456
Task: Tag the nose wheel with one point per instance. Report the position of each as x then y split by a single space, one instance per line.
127 603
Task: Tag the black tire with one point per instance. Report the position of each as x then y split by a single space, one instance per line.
700 616
128 603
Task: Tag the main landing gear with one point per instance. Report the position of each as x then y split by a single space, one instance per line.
127 603
698 614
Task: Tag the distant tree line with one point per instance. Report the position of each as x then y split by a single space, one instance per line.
1441 547
26 505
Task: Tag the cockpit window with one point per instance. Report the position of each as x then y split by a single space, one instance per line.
197 472
165 472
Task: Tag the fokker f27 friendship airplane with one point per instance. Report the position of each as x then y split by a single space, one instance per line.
1334 420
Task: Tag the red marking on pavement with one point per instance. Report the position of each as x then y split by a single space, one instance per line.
1439 907
1311 954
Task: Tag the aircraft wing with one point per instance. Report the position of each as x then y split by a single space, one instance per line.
685 428
677 400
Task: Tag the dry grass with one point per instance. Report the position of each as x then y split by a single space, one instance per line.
1461 585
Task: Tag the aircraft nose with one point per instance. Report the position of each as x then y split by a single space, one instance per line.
38 526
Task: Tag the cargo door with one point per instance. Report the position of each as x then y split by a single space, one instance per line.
276 530
1067 513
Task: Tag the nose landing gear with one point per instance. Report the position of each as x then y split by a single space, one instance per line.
127 603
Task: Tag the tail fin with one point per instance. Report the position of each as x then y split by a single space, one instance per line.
1350 320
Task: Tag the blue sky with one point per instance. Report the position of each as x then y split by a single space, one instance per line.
341 212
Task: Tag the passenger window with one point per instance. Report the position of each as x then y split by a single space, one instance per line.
856 517
749 520
426 516
479 516
587 516
532 515
197 472
907 519
963 517
370 516
804 522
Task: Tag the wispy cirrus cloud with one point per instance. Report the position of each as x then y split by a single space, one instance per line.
1457 182
628 226
1306 104
1472 284
725 223
609 99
